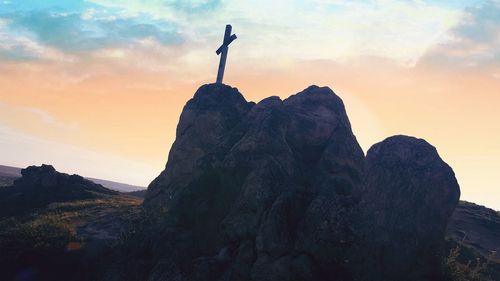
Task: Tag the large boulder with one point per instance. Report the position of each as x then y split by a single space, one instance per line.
409 195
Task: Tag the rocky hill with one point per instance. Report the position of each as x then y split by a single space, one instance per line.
40 186
281 190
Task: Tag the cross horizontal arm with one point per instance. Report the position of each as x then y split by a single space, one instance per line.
220 49
226 44
228 41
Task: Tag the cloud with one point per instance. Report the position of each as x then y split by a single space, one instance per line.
268 31
317 29
49 120
172 10
25 33
340 30
19 48
474 43
36 116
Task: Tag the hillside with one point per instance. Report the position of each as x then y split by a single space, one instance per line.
476 227
53 225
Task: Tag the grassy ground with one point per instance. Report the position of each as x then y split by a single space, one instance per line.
473 243
64 241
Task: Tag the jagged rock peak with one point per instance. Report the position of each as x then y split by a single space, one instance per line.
215 95
44 168
317 94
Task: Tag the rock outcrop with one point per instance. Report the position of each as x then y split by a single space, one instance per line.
279 190
42 185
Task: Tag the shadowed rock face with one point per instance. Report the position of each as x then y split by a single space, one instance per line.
271 191
205 120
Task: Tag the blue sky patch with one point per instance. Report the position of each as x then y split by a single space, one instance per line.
68 27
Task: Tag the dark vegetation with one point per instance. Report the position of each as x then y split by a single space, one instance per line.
473 244
466 264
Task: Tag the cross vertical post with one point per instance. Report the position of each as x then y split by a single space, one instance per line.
223 50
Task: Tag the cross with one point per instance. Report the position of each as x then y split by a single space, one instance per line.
224 48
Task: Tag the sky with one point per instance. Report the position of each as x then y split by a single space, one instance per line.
96 87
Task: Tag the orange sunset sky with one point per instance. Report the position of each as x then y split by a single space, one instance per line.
96 87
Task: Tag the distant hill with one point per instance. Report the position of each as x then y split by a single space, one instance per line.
118 186
8 174
137 193
7 171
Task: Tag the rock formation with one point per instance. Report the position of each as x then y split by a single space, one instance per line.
42 185
279 191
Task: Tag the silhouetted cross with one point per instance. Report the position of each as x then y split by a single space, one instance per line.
228 38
